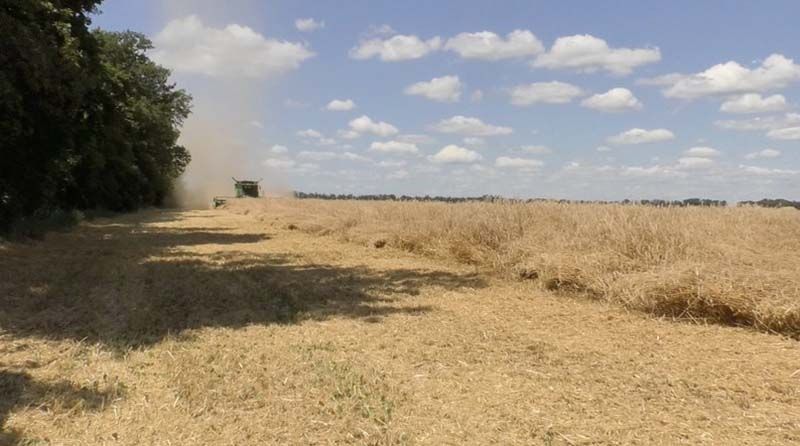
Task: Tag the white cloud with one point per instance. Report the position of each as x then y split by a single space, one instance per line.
277 148
398 147
316 137
465 125
695 162
308 25
554 92
587 53
486 45
442 89
766 153
348 134
395 48
256 124
364 124
775 72
614 100
641 136
538 150
341 105
455 154
702 152
754 103
309 133
276 163
603 149
188 46
651 171
518 163
759 123
790 133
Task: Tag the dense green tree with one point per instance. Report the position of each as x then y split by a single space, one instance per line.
46 52
86 119
137 113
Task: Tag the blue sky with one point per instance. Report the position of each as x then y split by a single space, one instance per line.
583 101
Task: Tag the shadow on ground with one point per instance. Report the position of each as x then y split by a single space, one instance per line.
18 390
125 283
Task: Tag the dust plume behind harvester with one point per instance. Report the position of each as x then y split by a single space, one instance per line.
242 189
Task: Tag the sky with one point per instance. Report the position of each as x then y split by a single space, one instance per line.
567 99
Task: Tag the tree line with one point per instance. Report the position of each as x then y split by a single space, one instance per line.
496 198
87 121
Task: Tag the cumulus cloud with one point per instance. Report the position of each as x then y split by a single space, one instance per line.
651 171
486 45
309 133
517 163
759 123
775 72
316 137
554 92
397 147
442 89
277 148
754 103
188 46
789 133
702 152
469 126
641 136
307 25
453 154
587 53
341 105
614 100
766 153
396 48
364 124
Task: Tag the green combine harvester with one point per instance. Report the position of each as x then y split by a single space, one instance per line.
242 188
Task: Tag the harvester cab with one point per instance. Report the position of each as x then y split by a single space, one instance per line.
242 189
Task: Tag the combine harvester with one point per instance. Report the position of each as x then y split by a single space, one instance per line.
242 188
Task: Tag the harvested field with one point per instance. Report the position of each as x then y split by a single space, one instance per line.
216 327
736 266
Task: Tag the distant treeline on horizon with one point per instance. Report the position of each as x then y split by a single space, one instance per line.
766 202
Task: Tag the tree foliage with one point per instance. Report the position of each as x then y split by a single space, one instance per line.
87 120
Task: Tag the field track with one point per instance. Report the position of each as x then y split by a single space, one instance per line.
209 327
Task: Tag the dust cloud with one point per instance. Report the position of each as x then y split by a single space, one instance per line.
224 133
